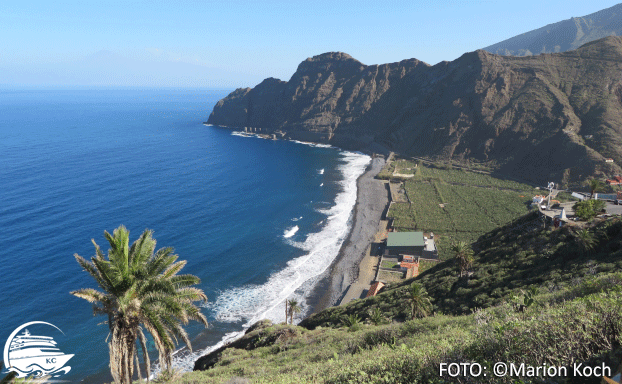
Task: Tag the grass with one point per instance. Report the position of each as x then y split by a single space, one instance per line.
390 276
388 264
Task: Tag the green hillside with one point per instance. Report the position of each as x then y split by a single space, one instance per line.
573 316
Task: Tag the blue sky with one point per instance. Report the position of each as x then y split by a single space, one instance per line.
228 44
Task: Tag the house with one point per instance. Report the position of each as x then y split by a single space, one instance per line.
617 180
411 269
408 258
375 287
608 160
405 243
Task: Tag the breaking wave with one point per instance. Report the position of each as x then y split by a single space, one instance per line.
252 303
290 232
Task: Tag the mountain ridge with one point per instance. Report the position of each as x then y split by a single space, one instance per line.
564 35
546 117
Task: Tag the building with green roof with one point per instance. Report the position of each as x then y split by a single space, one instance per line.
405 243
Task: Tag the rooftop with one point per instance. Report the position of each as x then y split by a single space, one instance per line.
405 239
375 287
407 265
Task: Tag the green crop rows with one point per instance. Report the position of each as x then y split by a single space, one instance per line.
459 205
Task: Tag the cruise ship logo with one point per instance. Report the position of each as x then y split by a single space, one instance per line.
33 355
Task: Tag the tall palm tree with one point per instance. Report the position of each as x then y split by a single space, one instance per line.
420 304
293 308
140 288
595 186
464 256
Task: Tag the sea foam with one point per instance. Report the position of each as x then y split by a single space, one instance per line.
290 232
252 303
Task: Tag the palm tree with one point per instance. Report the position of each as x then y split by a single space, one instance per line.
353 322
140 288
464 256
420 304
595 186
286 312
293 308
585 240
376 316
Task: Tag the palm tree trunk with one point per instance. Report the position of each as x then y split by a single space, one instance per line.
286 311
122 348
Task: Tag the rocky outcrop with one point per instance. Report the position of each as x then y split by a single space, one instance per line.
539 118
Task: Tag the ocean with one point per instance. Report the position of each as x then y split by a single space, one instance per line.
257 220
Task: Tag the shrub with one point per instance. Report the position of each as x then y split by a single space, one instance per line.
588 209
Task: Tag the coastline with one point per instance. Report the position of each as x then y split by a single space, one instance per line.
372 198
371 201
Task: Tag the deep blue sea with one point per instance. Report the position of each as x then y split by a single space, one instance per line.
257 220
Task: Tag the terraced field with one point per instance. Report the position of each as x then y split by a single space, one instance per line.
457 204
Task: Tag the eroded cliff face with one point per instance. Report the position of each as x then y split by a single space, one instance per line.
547 117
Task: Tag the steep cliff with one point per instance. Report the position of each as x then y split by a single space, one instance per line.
547 117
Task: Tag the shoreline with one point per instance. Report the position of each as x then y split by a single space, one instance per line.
371 201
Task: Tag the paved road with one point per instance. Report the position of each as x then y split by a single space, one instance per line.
613 209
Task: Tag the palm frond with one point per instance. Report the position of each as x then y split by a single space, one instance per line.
174 268
181 281
93 271
89 294
161 261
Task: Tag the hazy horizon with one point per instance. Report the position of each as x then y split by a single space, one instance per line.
226 45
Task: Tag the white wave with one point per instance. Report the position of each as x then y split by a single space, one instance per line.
208 125
252 303
290 232
321 171
248 134
297 218
321 185
312 144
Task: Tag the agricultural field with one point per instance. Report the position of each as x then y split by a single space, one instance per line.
459 205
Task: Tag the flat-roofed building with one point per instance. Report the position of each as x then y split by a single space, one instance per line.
405 243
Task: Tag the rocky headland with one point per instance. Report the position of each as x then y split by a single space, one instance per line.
538 118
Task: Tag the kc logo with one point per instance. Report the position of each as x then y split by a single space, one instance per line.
35 355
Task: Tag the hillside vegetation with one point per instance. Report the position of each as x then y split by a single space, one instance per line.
572 316
586 329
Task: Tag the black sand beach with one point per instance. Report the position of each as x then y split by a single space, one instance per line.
372 198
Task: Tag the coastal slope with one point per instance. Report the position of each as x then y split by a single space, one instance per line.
539 118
